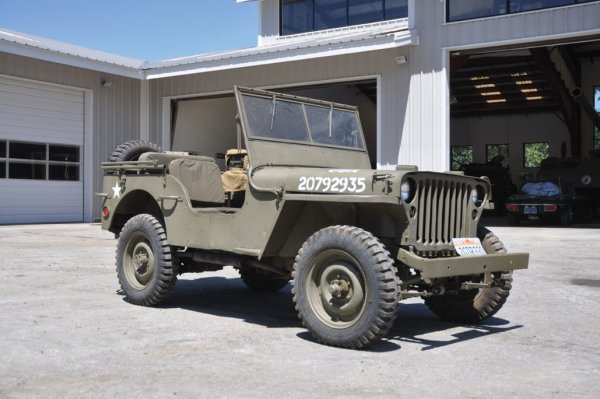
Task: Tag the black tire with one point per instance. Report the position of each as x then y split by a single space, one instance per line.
144 261
475 306
513 220
345 287
131 150
566 218
263 281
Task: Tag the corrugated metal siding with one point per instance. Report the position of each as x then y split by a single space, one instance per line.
116 109
394 87
534 26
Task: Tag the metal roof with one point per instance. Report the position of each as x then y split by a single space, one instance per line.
68 49
280 47
290 49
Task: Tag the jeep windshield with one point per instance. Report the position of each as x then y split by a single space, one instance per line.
298 120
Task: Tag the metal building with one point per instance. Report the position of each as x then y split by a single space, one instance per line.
432 79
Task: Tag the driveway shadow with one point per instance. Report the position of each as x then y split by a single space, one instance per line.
415 320
226 297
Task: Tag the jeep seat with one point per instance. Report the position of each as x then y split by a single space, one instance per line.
202 179
235 178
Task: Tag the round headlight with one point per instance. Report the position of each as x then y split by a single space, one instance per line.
474 196
405 191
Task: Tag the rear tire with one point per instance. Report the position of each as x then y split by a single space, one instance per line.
345 287
475 306
131 150
566 218
513 220
261 281
144 261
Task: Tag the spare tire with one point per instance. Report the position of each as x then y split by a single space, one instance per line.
131 150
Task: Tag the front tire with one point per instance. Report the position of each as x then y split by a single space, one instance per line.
345 287
144 261
475 306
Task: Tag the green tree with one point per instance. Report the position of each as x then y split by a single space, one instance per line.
535 153
461 156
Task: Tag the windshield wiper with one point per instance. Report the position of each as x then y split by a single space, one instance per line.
273 112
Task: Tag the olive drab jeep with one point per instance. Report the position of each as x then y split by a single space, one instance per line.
299 202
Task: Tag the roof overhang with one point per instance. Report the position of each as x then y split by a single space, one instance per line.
67 54
284 52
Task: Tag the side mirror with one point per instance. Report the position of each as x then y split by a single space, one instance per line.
220 155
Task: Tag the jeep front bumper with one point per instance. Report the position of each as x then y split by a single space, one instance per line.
431 268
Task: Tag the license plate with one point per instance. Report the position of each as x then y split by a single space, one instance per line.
530 210
468 246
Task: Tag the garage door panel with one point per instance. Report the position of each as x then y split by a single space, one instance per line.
22 104
24 111
33 135
32 219
34 122
41 114
56 94
20 200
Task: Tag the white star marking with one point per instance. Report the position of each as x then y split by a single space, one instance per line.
116 190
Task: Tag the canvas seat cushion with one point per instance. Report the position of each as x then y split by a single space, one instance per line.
201 177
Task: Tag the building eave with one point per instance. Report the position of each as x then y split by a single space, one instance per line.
53 51
279 53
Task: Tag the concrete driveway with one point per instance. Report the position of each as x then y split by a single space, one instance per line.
66 331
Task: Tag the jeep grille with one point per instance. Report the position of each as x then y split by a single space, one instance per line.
442 211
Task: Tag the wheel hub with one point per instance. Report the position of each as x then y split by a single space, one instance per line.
139 263
338 293
339 288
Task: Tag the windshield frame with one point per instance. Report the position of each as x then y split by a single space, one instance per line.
268 95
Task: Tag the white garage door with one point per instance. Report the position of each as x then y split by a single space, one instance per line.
41 144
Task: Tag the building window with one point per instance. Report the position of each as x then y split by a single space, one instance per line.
459 10
299 16
534 154
39 161
496 153
597 106
2 159
461 156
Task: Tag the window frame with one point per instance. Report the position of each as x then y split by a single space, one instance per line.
282 34
525 154
508 10
4 160
595 130
47 163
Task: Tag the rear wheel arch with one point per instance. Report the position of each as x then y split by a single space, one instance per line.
134 203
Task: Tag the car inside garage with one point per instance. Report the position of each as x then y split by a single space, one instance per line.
528 114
